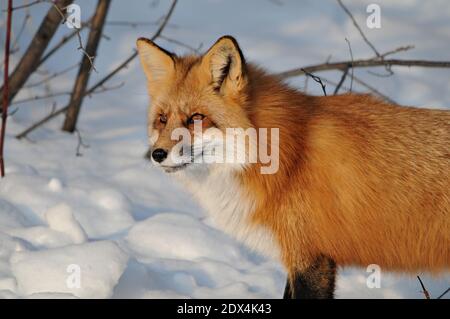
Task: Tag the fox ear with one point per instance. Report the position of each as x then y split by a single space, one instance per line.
226 65
158 64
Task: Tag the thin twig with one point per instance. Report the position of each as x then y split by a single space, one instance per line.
359 81
10 113
397 50
374 90
444 293
165 20
63 41
83 50
424 290
98 89
27 5
351 65
80 144
132 24
182 44
380 75
40 97
335 84
135 24
63 16
317 79
77 31
51 77
104 88
344 75
359 28
14 47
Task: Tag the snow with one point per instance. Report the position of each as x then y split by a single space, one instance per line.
60 218
133 231
189 239
55 185
100 265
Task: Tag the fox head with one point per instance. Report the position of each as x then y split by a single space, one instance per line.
194 98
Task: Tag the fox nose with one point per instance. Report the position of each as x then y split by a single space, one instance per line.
159 155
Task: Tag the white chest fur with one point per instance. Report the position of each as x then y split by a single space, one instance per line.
223 198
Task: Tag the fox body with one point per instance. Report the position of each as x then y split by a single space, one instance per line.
359 181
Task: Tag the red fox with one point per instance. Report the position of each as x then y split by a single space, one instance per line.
359 181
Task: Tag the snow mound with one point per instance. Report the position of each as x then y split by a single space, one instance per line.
63 229
99 202
179 236
60 218
55 185
9 244
10 216
88 270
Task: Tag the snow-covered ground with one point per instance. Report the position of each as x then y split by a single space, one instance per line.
126 228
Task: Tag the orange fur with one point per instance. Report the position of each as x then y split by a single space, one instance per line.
360 181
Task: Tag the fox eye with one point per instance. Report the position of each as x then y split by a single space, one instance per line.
163 118
195 117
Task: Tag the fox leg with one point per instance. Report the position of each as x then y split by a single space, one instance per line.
314 282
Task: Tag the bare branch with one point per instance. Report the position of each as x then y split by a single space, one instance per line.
397 50
424 290
335 84
27 5
344 75
63 41
40 97
363 84
380 75
63 16
351 57
317 79
103 80
104 88
80 144
359 28
52 76
374 90
364 63
6 87
444 293
15 46
76 98
99 89
182 44
30 60
83 50
165 20
132 24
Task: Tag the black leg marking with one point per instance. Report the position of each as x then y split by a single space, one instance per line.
315 282
287 290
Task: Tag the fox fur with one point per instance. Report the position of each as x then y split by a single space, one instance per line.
360 181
